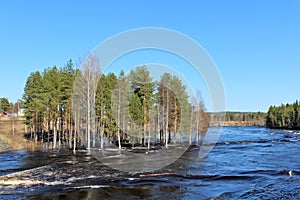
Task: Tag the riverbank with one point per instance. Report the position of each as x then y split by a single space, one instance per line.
12 134
4 147
12 142
239 123
238 119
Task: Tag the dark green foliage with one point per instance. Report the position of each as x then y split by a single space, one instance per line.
47 101
104 112
143 86
245 116
284 116
132 107
4 104
33 99
136 110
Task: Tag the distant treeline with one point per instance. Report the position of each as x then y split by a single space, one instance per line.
239 119
129 108
245 116
284 116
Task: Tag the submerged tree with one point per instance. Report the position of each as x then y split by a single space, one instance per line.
106 122
47 99
143 86
165 98
120 105
130 108
68 74
85 94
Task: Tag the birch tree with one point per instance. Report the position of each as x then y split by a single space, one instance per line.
84 93
164 100
120 105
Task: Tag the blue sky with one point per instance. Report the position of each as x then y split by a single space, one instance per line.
255 44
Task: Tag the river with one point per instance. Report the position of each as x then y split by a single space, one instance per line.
246 163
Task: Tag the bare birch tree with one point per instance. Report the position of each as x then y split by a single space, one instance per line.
84 94
116 106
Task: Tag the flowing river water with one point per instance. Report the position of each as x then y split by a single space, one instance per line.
246 163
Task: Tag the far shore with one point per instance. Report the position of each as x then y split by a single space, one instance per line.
8 139
238 123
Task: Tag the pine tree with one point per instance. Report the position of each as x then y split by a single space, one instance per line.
143 85
33 103
105 119
285 116
100 107
66 89
51 97
136 116
47 99
179 104
4 104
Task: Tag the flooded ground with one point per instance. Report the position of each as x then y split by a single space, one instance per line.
246 163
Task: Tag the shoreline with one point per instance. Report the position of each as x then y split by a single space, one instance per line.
239 123
5 147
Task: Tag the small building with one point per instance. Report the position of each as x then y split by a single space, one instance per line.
4 114
21 112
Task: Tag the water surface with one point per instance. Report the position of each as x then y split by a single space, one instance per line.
246 163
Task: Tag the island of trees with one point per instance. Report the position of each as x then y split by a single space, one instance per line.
125 110
129 110
285 116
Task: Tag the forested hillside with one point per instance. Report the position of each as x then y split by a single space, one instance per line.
129 109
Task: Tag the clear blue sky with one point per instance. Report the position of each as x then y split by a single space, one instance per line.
255 44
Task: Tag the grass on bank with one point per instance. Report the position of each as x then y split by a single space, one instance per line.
12 132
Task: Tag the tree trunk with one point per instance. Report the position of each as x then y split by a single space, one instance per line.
145 119
36 127
59 132
198 125
167 118
88 117
149 136
132 141
54 134
191 127
75 133
162 128
101 138
49 131
175 122
42 138
134 128
70 131
119 118
31 132
158 127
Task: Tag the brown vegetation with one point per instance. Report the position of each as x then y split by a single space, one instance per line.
12 133
238 119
